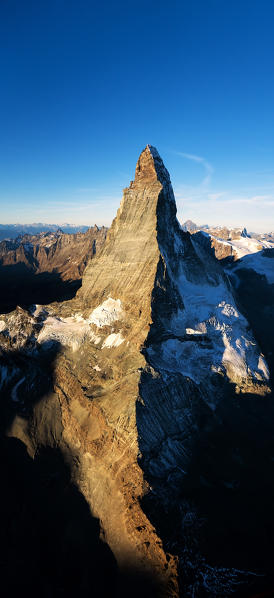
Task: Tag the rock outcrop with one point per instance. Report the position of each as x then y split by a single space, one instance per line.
154 374
45 267
65 253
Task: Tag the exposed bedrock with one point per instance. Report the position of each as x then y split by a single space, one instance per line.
45 267
163 400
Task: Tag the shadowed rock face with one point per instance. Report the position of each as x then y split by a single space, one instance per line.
250 268
254 289
156 374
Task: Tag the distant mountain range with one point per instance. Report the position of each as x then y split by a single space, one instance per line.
11 231
225 233
45 266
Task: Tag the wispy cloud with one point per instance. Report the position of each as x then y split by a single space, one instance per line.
259 200
215 196
200 160
202 201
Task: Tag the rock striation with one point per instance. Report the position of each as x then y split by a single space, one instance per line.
155 374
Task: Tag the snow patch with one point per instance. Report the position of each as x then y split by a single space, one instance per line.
14 396
243 246
113 340
36 310
221 341
106 313
191 331
259 262
234 359
67 331
263 367
3 325
228 310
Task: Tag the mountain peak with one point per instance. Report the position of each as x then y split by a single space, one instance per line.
146 216
150 167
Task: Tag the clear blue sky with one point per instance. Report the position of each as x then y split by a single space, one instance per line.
85 85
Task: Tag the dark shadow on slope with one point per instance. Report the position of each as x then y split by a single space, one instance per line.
255 296
253 293
221 251
212 480
27 377
19 285
210 469
231 481
50 542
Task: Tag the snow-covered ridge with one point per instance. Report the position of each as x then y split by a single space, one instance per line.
247 253
259 262
252 254
246 246
209 335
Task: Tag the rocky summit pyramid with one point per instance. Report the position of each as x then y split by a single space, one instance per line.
155 378
127 267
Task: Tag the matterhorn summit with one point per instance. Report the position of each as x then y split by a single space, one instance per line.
158 393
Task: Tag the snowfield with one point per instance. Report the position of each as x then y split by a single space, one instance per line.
113 340
208 335
249 253
106 313
245 246
74 330
67 331
259 262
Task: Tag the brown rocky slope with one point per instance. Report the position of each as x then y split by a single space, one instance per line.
157 390
45 267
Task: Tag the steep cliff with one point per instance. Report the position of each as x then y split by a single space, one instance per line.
158 387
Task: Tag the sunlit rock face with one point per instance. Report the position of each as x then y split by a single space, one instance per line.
154 374
127 266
